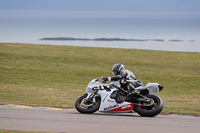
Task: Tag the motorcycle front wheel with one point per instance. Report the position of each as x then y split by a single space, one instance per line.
150 111
87 107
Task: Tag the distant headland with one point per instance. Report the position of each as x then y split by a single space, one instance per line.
95 39
105 39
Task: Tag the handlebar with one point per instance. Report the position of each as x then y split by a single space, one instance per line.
100 79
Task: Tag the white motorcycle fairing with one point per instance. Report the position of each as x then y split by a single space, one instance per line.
112 98
108 104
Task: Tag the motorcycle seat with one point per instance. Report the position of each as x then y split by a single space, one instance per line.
140 88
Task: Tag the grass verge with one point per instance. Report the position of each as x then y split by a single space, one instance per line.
55 76
14 131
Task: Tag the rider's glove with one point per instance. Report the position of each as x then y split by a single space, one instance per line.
104 79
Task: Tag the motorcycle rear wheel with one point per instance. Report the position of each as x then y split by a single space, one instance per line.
150 111
87 110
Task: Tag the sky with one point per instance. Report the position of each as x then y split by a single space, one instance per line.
133 19
181 6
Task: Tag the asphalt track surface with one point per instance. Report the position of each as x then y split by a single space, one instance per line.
25 118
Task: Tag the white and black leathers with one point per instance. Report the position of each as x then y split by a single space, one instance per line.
128 76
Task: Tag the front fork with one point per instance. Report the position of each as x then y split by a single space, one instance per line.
90 97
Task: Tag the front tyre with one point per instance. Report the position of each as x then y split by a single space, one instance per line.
87 107
150 111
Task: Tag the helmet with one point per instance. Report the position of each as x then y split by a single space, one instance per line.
118 69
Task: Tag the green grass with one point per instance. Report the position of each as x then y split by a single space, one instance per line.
55 76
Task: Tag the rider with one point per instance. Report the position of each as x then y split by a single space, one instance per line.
121 74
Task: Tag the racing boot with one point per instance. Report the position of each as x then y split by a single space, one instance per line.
133 93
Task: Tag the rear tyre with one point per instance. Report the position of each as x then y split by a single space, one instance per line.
88 107
150 111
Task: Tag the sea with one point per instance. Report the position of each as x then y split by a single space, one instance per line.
178 31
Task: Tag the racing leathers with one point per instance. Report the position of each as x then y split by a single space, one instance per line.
128 81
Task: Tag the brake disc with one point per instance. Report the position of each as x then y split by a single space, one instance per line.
85 104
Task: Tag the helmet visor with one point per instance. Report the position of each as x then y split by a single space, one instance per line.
122 71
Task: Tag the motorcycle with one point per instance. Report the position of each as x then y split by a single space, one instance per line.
112 98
